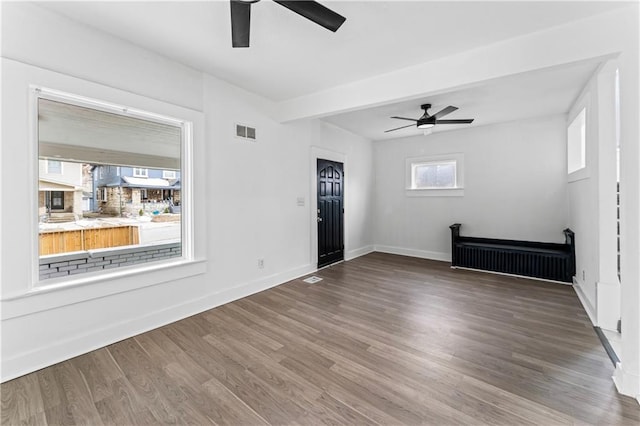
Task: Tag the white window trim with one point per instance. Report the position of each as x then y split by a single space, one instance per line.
36 286
46 163
145 174
457 191
169 174
581 103
102 194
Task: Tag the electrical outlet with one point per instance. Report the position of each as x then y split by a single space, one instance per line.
260 263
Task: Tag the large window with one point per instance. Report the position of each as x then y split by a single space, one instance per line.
577 143
435 175
117 158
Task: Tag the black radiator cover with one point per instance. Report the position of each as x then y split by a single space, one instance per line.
550 261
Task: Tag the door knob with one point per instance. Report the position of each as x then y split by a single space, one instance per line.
319 219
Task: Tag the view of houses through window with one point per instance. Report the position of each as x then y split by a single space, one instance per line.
109 190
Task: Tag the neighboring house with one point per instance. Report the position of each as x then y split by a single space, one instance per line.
119 190
87 188
59 187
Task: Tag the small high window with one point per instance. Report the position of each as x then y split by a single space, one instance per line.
435 175
577 143
432 175
168 174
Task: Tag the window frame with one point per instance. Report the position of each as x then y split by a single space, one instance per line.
48 160
141 175
173 174
186 167
456 191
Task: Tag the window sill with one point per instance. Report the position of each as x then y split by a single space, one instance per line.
56 293
435 192
577 175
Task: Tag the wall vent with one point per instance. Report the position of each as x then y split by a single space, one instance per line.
245 132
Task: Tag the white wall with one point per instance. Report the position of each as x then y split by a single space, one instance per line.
71 173
245 194
515 187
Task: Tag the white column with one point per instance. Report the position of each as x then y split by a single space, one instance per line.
608 286
627 376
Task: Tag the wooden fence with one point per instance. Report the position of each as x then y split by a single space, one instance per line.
54 242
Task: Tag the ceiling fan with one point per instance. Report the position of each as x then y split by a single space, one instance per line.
427 121
312 10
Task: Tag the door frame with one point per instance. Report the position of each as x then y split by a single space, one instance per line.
340 157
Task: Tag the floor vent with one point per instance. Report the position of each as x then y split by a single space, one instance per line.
312 280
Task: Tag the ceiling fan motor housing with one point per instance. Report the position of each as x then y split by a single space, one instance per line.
425 123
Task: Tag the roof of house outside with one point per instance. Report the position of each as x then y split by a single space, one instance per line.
147 183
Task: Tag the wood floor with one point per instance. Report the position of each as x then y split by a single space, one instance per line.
383 339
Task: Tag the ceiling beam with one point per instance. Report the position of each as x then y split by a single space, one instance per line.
598 36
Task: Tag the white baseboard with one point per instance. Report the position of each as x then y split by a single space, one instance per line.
626 383
352 254
588 307
423 254
49 354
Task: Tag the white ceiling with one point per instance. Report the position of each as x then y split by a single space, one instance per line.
291 57
511 98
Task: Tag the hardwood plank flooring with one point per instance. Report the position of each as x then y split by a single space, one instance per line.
383 339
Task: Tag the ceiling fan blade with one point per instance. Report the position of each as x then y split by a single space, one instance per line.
405 118
240 23
398 128
461 121
445 111
315 12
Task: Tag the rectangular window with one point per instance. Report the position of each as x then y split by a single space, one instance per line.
577 143
54 167
168 174
86 135
435 175
139 172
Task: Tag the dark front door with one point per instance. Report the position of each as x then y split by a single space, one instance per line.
57 200
330 212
